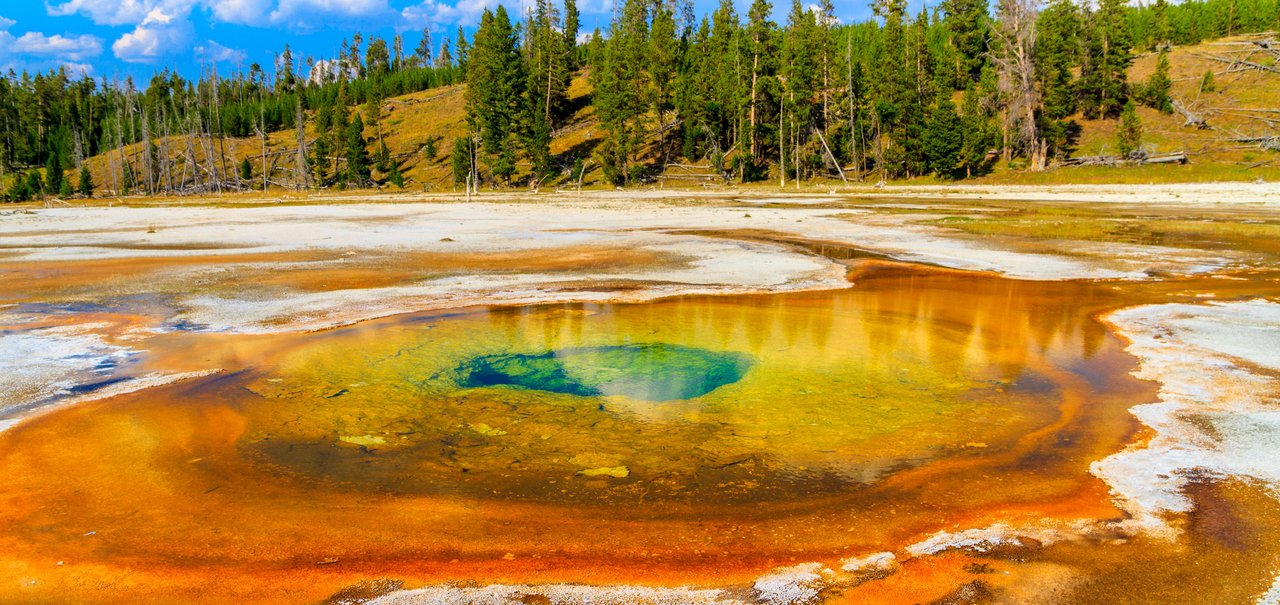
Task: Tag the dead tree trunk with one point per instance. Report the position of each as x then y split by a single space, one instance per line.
119 146
1017 34
831 156
146 151
304 171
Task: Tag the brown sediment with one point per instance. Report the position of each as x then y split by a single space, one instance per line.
376 270
143 245
42 280
1229 552
837 251
313 271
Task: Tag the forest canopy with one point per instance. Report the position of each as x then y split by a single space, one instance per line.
947 91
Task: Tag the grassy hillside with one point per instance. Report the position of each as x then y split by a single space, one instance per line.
1239 106
1231 110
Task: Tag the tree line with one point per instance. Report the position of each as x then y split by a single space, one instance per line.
171 136
948 91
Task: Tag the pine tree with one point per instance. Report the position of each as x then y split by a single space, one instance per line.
85 186
723 63
53 173
943 139
859 102
761 53
979 135
460 161
18 191
692 92
1159 23
382 159
358 163
1129 134
919 64
445 58
372 111
824 45
800 72
246 170
1206 83
547 67
1057 50
356 66
323 147
377 58
571 25
967 22
497 108
127 182
423 52
35 184
663 67
397 53
622 89
1103 85
537 146
285 75
1155 92
545 93
463 50
895 89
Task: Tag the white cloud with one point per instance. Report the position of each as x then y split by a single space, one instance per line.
118 12
817 11
300 14
77 69
241 12
212 51
327 70
35 50
604 6
305 14
464 12
429 12
76 48
159 35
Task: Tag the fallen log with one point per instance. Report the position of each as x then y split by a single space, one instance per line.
1239 63
1191 118
688 177
1137 159
689 166
1090 160
1179 157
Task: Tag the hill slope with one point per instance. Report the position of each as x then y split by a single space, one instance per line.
1243 104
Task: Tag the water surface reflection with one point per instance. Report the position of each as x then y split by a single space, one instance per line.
796 427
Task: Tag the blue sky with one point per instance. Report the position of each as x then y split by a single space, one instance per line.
118 37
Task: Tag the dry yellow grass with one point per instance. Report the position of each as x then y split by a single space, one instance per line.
1212 156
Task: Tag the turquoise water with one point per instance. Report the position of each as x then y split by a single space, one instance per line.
649 372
